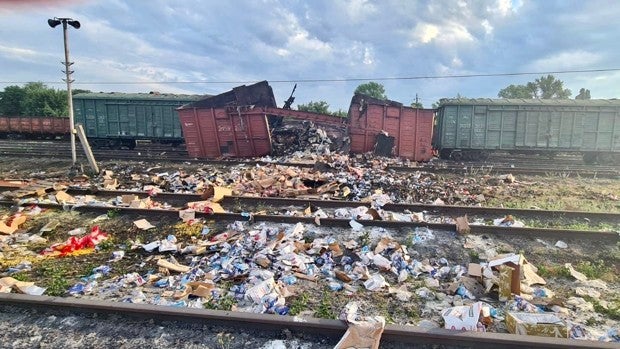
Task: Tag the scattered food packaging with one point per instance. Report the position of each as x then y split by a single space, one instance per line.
536 324
462 317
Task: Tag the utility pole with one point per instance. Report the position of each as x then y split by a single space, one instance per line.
75 24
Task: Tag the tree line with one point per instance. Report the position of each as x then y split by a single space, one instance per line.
545 87
34 99
37 99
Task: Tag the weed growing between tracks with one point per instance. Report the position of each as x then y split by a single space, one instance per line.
550 193
570 224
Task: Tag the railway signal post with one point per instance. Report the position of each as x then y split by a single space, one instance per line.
75 24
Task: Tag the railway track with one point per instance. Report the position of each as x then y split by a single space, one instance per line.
179 200
275 204
270 326
154 152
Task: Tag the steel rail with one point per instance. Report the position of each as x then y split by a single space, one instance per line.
454 210
336 222
174 155
400 334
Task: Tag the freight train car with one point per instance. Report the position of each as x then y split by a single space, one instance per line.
471 128
388 128
243 122
34 127
118 120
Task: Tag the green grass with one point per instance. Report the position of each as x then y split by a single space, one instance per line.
54 276
596 270
108 244
558 271
570 225
325 310
223 303
299 304
113 213
612 311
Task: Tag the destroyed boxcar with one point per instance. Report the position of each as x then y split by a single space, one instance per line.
388 128
245 122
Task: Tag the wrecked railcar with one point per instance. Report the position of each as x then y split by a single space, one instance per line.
245 122
390 129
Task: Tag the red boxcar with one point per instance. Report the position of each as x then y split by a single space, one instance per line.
30 126
240 131
237 123
222 132
411 128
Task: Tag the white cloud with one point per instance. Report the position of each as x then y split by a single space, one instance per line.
357 54
368 56
297 40
21 54
505 7
488 28
358 10
445 33
576 59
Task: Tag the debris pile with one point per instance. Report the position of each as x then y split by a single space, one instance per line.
305 136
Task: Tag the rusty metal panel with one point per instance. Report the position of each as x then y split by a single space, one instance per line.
411 128
60 125
35 125
4 124
15 125
225 132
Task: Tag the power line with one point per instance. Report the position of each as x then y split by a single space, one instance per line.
461 76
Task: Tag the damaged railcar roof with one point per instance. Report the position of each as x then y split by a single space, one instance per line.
259 94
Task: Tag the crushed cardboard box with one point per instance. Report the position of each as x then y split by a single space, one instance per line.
536 324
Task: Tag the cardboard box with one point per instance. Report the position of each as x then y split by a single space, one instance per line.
536 324
462 317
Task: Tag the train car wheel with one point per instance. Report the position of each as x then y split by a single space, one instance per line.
456 155
607 158
589 158
445 153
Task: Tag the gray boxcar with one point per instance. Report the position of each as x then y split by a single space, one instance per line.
470 128
119 119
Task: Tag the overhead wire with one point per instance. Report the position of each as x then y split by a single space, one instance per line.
421 77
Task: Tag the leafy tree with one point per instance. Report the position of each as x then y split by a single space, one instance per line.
372 89
416 105
40 100
10 100
549 87
320 107
341 113
516 91
583 94
545 87
78 90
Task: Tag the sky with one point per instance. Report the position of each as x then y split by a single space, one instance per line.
210 46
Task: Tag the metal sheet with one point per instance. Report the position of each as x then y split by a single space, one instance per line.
224 132
559 125
134 116
411 128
